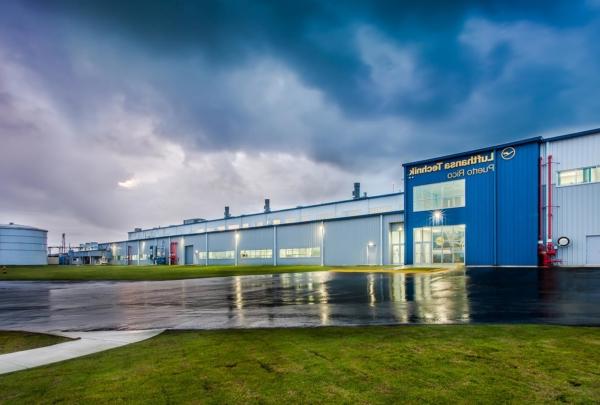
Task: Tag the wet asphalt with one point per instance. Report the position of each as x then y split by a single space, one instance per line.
478 295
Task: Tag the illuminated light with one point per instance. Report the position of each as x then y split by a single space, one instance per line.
437 216
370 244
237 236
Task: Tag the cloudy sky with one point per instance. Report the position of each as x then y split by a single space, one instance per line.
117 114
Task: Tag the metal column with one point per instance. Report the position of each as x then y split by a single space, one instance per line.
206 249
322 243
274 245
380 240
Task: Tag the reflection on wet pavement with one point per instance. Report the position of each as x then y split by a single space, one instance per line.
567 296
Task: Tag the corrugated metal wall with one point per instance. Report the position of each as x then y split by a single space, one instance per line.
253 239
577 207
299 236
19 246
576 216
347 242
220 242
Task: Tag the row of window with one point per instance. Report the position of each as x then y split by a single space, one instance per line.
289 253
579 176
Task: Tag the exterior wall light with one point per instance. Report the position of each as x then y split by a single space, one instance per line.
437 217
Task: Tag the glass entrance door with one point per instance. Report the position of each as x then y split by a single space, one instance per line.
397 243
439 244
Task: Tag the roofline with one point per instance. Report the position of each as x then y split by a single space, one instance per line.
309 221
22 227
455 155
572 135
277 211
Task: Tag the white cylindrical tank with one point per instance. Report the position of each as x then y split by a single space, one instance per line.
23 245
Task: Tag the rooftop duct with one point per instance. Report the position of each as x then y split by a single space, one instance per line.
227 214
267 205
356 192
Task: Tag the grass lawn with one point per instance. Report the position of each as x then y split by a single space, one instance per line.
17 341
448 364
82 273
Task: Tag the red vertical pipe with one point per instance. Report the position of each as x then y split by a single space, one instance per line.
540 209
549 201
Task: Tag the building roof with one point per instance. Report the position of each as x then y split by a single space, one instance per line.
573 135
12 225
283 210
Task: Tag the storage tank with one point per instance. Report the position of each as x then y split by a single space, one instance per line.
22 245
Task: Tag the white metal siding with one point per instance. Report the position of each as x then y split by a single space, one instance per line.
299 236
346 242
576 208
23 246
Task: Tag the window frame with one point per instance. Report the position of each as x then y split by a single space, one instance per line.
440 184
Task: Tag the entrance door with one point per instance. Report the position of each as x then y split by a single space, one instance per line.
593 250
173 253
189 254
129 250
397 243
439 245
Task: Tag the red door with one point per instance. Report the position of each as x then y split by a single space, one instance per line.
173 256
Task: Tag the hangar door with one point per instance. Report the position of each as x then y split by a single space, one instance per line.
593 250
189 254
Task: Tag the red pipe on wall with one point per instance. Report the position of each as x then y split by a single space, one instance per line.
540 208
549 185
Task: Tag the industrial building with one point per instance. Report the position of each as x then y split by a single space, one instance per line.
487 207
22 245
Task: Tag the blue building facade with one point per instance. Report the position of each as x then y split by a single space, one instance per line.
477 208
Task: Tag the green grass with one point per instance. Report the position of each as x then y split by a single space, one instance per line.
82 273
435 364
17 341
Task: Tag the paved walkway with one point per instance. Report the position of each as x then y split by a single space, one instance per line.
86 343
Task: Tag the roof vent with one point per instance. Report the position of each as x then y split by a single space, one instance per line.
137 230
227 214
356 192
267 205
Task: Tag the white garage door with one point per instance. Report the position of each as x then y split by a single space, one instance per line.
593 250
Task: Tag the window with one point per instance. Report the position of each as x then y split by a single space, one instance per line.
294 253
579 176
202 255
448 194
256 254
222 255
276 221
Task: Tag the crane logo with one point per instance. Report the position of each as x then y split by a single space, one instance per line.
508 153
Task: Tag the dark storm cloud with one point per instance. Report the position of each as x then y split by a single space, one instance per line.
316 40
